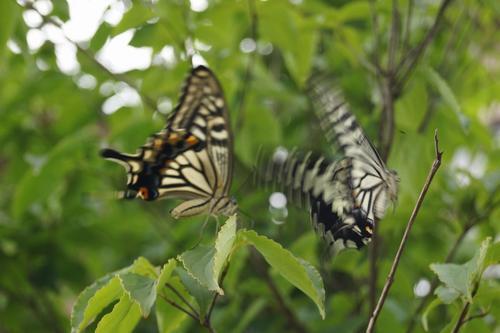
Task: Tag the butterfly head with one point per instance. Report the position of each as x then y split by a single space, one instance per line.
142 181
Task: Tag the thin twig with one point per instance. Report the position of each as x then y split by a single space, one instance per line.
241 96
177 306
414 55
91 56
477 316
183 300
461 319
390 278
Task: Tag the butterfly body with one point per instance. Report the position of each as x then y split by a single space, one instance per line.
191 158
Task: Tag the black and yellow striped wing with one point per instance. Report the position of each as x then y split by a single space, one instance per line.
324 187
191 158
373 185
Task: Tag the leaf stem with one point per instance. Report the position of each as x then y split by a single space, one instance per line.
169 286
177 306
390 278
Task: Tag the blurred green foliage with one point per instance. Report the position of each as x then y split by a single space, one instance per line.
61 230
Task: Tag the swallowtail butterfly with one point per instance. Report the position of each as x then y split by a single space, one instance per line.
345 196
191 158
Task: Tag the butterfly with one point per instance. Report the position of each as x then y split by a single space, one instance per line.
345 196
191 158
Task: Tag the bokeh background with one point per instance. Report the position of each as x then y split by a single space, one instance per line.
81 75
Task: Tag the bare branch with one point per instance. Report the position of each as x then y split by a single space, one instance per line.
390 278
414 55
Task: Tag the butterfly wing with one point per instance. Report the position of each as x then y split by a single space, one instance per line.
323 186
191 158
370 177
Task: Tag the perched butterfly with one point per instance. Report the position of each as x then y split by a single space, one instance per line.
191 158
345 196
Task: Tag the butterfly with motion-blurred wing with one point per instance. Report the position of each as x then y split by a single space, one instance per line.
345 196
191 158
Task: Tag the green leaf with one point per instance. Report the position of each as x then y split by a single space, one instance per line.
294 270
138 15
122 319
463 278
143 267
202 295
10 14
493 256
93 300
141 290
205 263
165 274
427 311
168 317
446 294
448 96
223 247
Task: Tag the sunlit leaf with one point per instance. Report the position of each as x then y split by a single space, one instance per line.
122 319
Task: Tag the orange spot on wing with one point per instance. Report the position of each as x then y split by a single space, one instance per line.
144 193
192 140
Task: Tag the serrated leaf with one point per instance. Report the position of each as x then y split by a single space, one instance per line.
165 274
427 311
462 278
303 276
93 300
141 290
199 264
202 295
122 319
143 267
205 263
223 247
